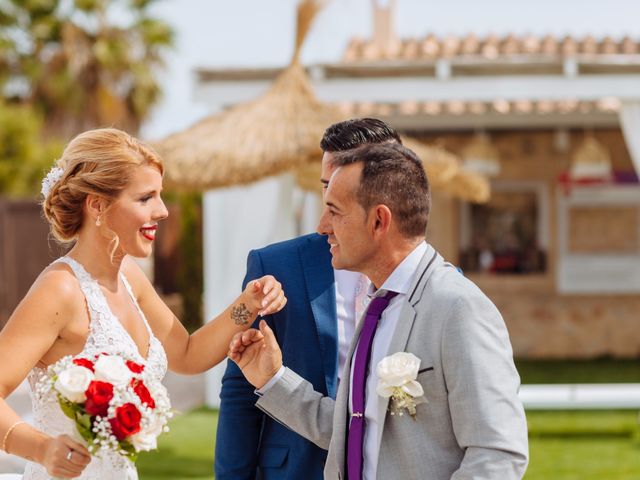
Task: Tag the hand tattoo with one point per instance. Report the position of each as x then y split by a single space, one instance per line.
240 314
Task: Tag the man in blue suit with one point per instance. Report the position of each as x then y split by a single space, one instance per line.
313 330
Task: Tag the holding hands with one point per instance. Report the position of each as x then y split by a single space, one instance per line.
256 351
257 354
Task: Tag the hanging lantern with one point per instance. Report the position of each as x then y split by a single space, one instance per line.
480 156
591 161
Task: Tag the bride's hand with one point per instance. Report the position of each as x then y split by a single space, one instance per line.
64 458
265 295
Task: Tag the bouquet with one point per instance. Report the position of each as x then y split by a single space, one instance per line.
113 404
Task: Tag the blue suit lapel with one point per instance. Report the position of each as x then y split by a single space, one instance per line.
320 283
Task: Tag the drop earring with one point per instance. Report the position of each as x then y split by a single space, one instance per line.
98 222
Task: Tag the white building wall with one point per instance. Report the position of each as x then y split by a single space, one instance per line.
236 220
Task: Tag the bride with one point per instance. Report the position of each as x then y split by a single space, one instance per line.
104 195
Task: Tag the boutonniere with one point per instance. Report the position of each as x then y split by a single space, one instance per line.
397 375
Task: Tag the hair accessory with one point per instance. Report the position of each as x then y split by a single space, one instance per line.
54 175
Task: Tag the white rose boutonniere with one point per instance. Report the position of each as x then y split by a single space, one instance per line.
397 375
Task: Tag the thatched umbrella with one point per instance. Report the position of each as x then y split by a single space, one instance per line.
441 166
469 186
446 174
272 134
281 131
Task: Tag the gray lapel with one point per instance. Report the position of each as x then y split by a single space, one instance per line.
408 312
408 316
398 343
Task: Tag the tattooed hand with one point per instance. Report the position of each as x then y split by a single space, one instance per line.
264 296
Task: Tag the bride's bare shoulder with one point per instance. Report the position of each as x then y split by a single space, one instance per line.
58 287
53 300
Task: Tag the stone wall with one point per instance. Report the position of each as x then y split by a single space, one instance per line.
544 324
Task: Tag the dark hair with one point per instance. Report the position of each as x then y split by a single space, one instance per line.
394 176
350 134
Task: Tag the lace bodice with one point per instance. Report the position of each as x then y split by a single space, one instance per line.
106 334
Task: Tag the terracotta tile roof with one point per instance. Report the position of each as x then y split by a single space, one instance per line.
459 107
490 47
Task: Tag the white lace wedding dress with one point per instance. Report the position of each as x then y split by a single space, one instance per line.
106 334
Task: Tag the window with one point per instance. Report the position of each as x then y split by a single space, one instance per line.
599 240
507 235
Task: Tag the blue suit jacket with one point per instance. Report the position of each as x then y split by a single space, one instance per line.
250 444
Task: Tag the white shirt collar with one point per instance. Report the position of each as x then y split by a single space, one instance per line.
400 279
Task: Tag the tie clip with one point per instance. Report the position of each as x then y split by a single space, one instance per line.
356 414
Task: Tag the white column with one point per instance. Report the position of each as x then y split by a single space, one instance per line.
147 266
310 208
630 122
236 220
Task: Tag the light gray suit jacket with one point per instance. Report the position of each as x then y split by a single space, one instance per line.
473 426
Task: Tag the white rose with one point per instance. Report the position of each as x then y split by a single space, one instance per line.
147 439
112 369
73 382
399 370
144 442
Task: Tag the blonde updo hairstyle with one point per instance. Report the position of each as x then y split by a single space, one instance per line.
98 162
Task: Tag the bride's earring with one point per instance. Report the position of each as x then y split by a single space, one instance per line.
98 221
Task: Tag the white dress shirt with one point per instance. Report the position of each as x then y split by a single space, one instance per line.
350 288
399 281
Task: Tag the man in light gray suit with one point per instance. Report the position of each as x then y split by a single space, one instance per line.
472 425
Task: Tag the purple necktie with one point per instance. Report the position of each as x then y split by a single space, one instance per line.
355 437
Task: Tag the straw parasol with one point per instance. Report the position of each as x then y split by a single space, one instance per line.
469 186
446 174
441 166
272 134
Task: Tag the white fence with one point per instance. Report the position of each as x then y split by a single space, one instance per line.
581 396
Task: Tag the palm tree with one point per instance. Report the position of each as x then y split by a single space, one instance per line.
83 63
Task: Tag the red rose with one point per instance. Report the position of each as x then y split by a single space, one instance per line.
134 367
99 394
126 421
143 393
83 362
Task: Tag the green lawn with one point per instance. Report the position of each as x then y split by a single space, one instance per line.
584 458
575 445
584 445
186 452
579 371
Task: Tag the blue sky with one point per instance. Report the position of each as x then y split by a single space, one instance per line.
224 33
